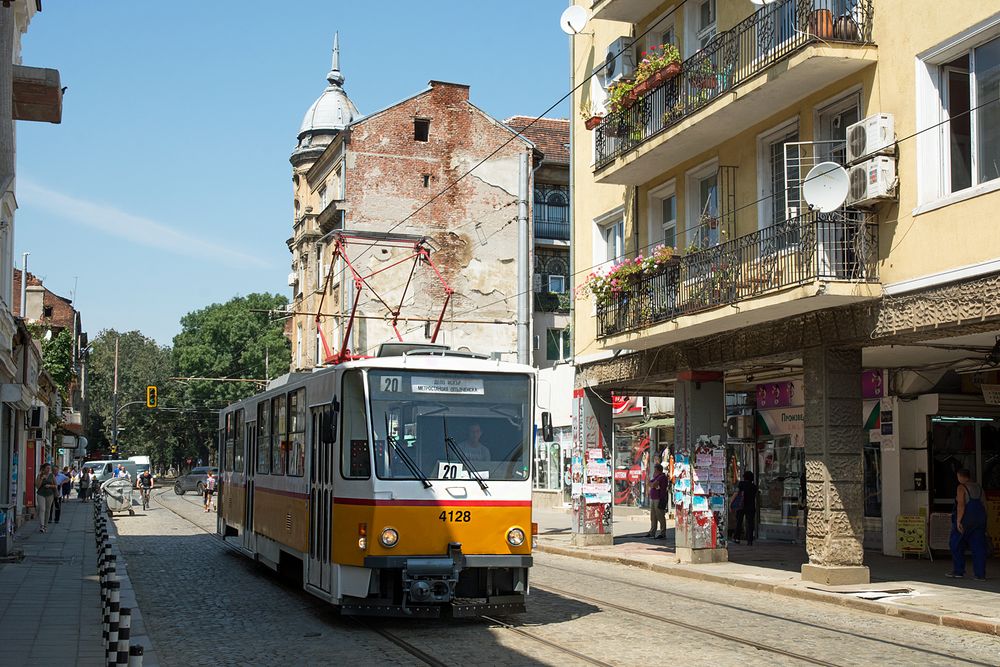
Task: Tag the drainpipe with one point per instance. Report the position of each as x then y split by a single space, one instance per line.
523 270
24 283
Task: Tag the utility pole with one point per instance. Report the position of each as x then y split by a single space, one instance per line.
523 268
114 404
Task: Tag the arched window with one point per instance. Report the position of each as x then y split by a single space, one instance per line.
558 205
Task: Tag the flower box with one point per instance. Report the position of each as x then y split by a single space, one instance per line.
592 122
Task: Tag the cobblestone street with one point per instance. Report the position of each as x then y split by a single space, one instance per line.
204 604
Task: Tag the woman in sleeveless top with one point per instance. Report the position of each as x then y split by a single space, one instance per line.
45 495
968 528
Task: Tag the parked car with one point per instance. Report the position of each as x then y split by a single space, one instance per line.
194 480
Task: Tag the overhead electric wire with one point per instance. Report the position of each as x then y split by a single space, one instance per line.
520 133
914 134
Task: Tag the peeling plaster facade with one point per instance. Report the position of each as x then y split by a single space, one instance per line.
377 172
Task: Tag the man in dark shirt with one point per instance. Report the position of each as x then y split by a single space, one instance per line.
747 511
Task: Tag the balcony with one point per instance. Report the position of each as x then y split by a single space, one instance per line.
552 302
629 11
552 231
777 56
813 261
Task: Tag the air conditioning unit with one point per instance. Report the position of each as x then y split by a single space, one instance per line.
872 181
292 279
620 60
739 427
875 135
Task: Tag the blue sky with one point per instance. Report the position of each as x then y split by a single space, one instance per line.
167 186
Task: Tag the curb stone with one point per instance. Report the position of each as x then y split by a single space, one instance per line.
918 614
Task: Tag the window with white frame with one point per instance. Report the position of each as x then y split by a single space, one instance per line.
959 87
612 241
558 345
832 122
663 32
701 25
322 198
773 176
703 228
298 346
557 284
663 216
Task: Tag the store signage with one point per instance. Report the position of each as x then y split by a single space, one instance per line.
441 385
784 421
872 384
911 534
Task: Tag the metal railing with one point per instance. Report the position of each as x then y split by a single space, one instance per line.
558 231
839 246
766 37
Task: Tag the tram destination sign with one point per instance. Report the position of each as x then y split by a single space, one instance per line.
444 385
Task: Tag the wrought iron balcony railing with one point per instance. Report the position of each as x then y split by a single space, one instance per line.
840 246
545 229
766 37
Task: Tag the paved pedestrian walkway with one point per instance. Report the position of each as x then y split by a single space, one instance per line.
50 600
910 588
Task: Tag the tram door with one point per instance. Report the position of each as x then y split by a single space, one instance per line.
321 477
250 468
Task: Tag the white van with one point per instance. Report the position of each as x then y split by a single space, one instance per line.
142 463
105 470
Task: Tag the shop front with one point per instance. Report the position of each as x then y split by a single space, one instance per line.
780 462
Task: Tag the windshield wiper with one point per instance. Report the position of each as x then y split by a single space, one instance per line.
405 457
450 442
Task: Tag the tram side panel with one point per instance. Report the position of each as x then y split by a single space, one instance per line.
282 516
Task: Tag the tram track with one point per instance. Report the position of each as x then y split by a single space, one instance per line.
728 607
394 638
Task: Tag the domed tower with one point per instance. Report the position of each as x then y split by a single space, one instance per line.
327 116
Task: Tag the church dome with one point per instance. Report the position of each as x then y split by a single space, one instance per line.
334 110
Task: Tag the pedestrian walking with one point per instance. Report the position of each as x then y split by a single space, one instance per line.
210 482
67 483
968 528
744 503
121 472
45 493
55 510
85 482
658 490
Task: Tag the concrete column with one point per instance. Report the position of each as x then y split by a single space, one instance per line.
699 409
834 441
592 468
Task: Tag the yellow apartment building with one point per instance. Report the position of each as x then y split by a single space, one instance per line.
856 306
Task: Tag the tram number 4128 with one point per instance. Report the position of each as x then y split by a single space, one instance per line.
456 516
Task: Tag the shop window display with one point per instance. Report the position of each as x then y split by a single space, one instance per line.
631 467
782 489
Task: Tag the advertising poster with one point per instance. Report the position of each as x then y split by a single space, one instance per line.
591 470
911 534
993 518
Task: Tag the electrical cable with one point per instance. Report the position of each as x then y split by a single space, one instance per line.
520 133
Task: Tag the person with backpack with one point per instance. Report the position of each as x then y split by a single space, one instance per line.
744 504
210 484
968 528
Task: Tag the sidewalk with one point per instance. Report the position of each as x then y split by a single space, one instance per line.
912 588
50 609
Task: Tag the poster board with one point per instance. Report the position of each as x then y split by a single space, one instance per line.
993 518
911 534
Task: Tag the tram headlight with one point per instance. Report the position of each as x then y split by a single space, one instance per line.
389 537
515 537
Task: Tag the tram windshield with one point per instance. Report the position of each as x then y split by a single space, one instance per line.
426 416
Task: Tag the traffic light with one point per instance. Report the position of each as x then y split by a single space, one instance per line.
151 396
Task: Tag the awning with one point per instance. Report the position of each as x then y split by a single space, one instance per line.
37 94
659 422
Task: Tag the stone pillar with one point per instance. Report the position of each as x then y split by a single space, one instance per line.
699 409
592 468
834 441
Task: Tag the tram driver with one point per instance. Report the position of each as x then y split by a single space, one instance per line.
474 449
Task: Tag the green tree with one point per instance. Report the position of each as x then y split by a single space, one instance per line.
57 356
141 362
236 340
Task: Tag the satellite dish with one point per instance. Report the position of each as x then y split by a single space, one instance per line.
826 186
573 20
48 334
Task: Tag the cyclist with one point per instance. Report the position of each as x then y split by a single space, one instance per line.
145 483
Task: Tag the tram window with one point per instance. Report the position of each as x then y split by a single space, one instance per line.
279 435
222 444
297 433
238 440
263 437
227 457
356 460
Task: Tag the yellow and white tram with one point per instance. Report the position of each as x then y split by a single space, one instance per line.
398 484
